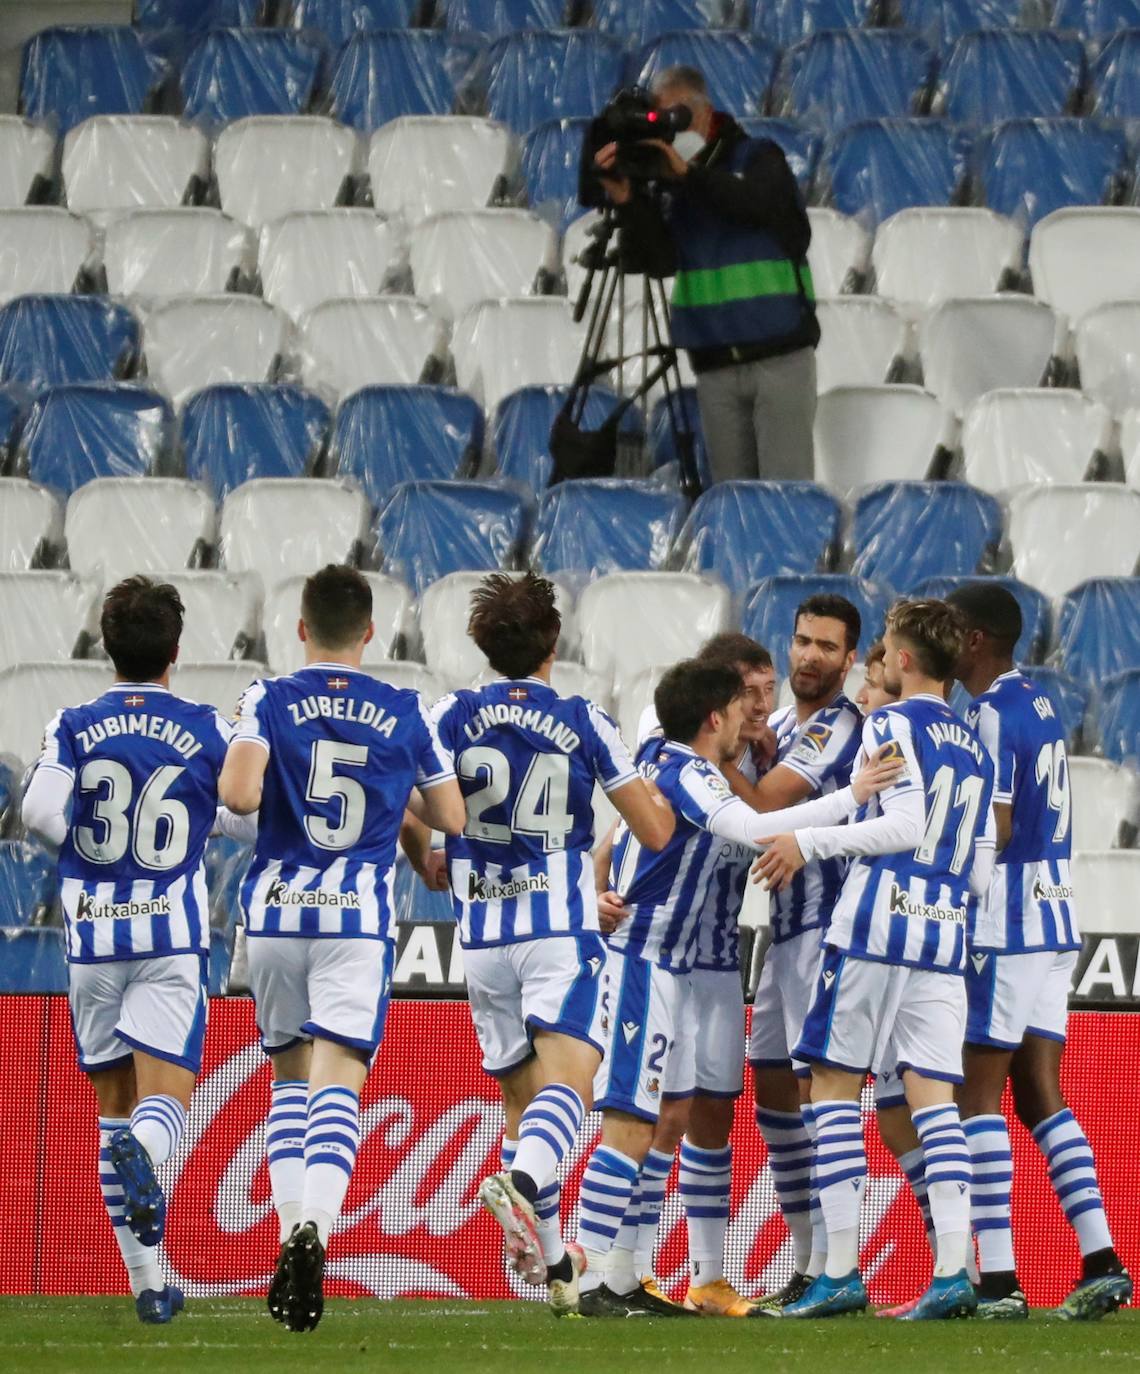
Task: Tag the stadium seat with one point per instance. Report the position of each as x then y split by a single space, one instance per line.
1105 883
31 524
866 434
738 67
632 621
27 154
839 252
1070 697
1096 19
412 676
233 433
273 165
314 523
643 20
945 21
44 615
422 165
1120 718
219 685
1098 628
1027 168
1062 535
314 256
1130 446
770 610
576 680
801 146
116 526
68 74
385 435
863 342
28 885
499 346
837 77
548 168
462 257
877 167
133 162
998 74
97 429
223 613
969 347
605 525
629 706
391 608
42 248
1035 612
208 340
1105 804
426 530
380 76
413 902
338 20
156 254
348 344
1082 259
785 22
497 17
531 77
1106 344
234 73
46 340
746 531
34 962
1116 77
523 421
31 693
905 532
14 403
1015 437
923 257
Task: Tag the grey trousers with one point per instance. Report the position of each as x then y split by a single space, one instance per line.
757 418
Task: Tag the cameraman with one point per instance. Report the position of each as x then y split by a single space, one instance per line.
729 223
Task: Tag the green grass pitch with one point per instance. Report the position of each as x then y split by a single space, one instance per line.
86 1334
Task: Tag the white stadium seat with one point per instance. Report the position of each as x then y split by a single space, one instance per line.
637 620
972 346
132 162
201 341
631 696
925 255
1062 535
30 522
43 615
391 608
500 346
27 152
412 676
313 522
1106 883
31 693
42 248
1084 258
222 613
1130 446
116 526
216 684
576 680
323 255
273 165
1105 802
1017 435
840 249
184 252
422 165
866 434
465 256
1107 345
348 344
860 339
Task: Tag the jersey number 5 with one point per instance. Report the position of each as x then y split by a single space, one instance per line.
326 785
539 809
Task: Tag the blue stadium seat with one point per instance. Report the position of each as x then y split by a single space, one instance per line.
380 76
1116 77
800 145
413 902
738 67
605 525
1035 612
1097 19
69 74
1120 717
1030 167
522 429
663 450
232 73
1005 74
943 22
497 17
1071 698
196 16
45 340
233 433
1098 628
770 610
785 22
880 166
429 529
33 961
746 531
840 76
338 20
551 153
28 883
226 864
95 429
532 77
385 435
13 408
904 532
644 20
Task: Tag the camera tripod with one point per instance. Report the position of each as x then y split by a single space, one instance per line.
605 452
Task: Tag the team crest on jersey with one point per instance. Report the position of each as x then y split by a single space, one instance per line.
653 1087
814 737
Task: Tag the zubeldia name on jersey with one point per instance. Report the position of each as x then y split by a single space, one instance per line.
342 708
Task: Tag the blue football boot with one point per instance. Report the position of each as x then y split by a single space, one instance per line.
157 1308
144 1205
1094 1298
830 1297
952 1296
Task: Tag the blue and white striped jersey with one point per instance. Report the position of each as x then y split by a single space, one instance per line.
1030 902
527 761
821 751
718 930
345 751
915 908
144 766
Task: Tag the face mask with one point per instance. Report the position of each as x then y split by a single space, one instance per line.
688 143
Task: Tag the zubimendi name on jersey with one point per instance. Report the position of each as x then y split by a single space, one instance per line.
171 732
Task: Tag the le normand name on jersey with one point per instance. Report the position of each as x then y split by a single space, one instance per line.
343 708
499 713
183 741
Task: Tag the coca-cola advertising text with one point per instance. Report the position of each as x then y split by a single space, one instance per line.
412 1226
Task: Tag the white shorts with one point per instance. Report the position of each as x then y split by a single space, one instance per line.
1012 995
552 983
708 1044
783 996
870 1017
640 1002
328 988
156 1005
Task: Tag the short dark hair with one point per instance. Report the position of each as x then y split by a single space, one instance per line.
933 630
141 625
688 694
835 608
875 654
515 621
336 606
734 648
991 608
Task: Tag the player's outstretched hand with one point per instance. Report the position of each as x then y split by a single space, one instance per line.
779 863
611 912
878 772
435 872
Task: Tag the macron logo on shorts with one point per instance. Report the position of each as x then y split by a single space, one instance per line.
630 1029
